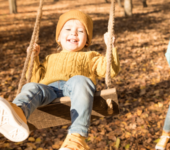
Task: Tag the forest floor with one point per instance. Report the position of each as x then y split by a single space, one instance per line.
142 84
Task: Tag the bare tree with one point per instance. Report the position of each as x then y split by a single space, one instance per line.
119 2
12 6
127 8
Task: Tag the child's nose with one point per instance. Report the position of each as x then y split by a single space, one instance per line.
73 33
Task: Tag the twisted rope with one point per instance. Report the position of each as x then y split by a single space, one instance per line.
37 26
109 53
34 39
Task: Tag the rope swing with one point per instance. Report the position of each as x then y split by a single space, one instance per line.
110 46
58 112
34 39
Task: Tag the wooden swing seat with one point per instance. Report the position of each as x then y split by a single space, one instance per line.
58 112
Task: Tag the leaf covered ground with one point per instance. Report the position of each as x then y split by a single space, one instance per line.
142 84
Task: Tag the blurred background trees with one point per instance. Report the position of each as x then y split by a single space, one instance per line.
127 6
12 6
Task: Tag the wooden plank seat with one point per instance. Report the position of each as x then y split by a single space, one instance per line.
58 112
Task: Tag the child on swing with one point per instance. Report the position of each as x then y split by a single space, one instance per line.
161 145
72 72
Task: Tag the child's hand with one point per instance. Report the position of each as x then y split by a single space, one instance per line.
106 36
36 49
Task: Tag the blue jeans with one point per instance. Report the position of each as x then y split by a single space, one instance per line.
166 127
80 89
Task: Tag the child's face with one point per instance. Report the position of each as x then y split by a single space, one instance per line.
73 36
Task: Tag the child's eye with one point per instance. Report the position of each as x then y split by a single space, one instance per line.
68 29
80 31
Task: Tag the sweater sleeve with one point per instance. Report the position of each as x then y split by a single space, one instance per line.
39 70
99 64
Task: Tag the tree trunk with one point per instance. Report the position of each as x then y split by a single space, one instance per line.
144 3
127 8
119 3
12 6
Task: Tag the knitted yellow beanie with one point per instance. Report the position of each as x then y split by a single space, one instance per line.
82 17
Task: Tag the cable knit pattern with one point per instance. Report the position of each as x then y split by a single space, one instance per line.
64 65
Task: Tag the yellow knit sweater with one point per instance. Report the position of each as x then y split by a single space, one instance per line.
64 65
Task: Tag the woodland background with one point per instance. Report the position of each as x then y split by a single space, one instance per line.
143 83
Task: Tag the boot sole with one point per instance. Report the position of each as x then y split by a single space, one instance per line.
11 125
159 148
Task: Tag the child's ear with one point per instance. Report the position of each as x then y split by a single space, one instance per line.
86 43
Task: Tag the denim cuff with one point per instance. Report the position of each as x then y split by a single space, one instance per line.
82 133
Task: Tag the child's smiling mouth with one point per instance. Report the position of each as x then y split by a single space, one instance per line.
74 41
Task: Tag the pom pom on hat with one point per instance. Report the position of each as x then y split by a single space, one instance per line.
82 17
